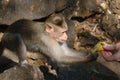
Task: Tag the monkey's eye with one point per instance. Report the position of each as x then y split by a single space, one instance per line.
63 32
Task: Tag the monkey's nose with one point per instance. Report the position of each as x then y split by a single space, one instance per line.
65 36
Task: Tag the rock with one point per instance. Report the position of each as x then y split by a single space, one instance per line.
113 66
71 33
12 10
28 72
109 23
115 6
81 8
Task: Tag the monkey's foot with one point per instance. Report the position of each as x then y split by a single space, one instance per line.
23 63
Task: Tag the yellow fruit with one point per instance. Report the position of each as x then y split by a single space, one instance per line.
99 46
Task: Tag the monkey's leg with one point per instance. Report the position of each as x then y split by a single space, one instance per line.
21 51
14 43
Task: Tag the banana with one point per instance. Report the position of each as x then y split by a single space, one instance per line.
99 46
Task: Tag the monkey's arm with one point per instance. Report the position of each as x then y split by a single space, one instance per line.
71 56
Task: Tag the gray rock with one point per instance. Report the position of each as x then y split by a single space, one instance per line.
22 73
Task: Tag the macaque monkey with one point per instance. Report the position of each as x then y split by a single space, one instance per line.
48 38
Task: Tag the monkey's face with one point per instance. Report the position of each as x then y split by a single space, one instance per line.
59 35
57 29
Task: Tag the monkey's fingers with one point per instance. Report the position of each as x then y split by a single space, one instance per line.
93 56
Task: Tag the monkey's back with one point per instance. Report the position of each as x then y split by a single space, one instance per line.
29 31
25 27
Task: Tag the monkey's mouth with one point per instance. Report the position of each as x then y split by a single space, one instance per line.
60 41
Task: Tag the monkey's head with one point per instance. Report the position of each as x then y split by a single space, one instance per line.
56 27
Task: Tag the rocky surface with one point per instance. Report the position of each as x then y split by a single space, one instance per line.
89 31
22 73
12 10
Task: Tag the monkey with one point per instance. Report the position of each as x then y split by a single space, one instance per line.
48 38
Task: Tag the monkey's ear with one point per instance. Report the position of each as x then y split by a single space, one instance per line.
49 28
